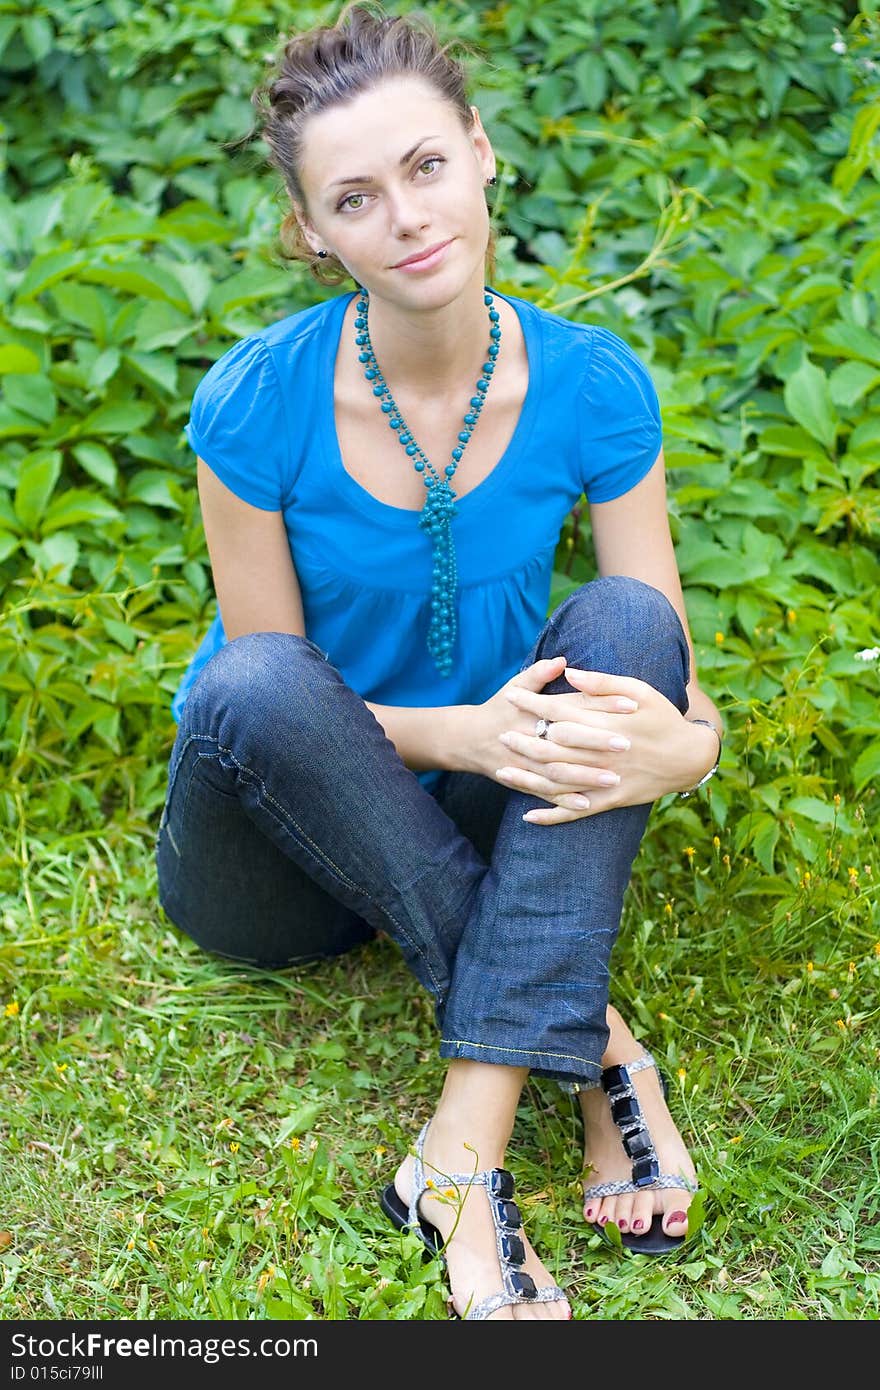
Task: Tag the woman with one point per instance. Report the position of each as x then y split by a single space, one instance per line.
382 730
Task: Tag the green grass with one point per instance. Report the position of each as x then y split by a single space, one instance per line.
184 1138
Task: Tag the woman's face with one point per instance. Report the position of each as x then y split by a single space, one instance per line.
389 175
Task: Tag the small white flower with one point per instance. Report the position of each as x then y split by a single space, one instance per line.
868 654
838 46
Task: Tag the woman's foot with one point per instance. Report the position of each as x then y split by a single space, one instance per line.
471 1251
606 1160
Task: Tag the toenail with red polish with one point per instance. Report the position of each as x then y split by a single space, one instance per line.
602 1220
622 1223
638 1225
677 1216
589 1213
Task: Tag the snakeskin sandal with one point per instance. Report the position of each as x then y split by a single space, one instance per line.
518 1286
636 1137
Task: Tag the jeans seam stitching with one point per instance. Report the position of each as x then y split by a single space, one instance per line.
530 1051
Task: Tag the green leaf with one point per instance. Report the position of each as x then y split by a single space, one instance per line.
75 506
34 395
97 461
808 400
47 269
154 487
852 380
115 417
15 358
300 1120
849 340
764 841
36 483
139 277
248 287
866 767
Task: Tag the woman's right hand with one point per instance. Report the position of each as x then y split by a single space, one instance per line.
575 785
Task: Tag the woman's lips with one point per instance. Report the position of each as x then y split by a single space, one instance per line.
426 262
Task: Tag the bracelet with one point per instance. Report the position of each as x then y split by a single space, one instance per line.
714 768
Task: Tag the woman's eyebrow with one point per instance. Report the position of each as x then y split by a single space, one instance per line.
367 178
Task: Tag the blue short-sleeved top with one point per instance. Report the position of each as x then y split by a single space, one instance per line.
262 418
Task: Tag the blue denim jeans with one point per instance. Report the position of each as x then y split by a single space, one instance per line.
292 831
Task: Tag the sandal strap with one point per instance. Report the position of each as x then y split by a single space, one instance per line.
619 1189
626 1112
646 1060
499 1185
490 1305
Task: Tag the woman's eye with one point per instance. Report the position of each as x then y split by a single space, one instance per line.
347 202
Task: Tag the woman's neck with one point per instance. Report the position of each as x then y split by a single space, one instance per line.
431 351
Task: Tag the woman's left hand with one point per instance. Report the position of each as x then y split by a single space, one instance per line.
664 752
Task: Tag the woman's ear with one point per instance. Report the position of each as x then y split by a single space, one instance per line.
482 145
305 226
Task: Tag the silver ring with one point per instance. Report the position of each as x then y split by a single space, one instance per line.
542 728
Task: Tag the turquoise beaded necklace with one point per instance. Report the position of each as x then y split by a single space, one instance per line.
439 509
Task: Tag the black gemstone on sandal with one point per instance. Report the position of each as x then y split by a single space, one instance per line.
512 1249
615 1079
624 1110
645 1171
638 1143
508 1215
501 1182
523 1284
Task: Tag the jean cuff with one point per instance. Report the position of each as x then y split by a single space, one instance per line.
580 1073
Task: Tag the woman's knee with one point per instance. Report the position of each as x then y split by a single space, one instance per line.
622 625
252 676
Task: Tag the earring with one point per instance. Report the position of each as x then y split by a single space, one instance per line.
492 180
322 254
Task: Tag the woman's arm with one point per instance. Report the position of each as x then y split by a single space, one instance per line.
258 591
631 536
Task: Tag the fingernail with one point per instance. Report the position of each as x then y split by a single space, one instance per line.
676 1216
638 1225
503 773
618 741
504 738
608 779
625 704
582 802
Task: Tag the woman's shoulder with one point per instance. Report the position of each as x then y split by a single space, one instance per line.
286 337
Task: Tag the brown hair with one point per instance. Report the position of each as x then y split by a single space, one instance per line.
330 65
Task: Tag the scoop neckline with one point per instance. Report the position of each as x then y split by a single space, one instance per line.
356 493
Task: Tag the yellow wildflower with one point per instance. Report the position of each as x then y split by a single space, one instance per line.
682 1074
725 859
737 1139
791 615
716 842
234 1147
841 1025
12 1008
719 638
295 1142
130 1245
668 909
689 851
810 967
